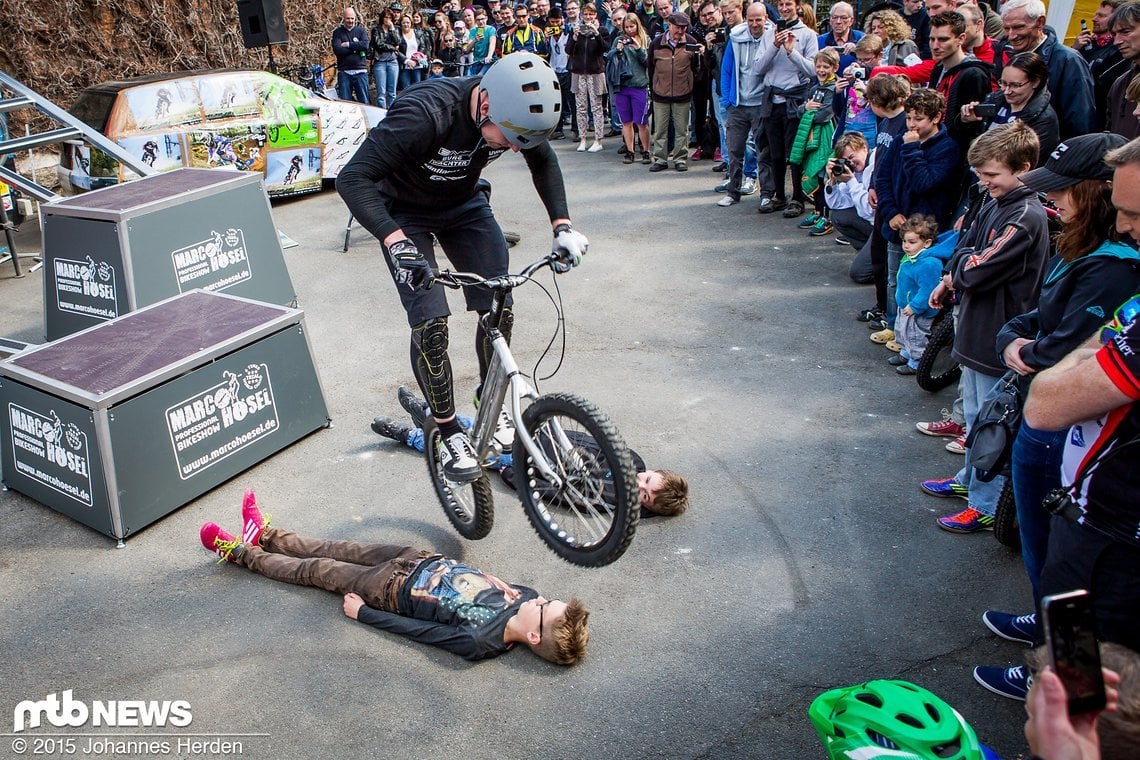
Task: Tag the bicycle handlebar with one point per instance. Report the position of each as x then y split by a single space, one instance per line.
456 280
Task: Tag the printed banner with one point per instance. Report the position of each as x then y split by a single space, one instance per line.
51 452
216 263
86 287
222 419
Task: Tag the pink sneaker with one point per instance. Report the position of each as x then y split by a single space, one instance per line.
698 154
716 155
218 541
252 523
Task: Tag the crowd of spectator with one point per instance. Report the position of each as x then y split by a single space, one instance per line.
965 152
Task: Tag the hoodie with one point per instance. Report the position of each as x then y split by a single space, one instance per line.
740 84
997 271
913 178
785 71
1078 297
967 82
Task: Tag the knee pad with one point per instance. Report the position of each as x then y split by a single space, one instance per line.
431 365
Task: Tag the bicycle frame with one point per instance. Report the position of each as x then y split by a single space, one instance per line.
503 374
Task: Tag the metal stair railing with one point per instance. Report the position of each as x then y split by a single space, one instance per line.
71 128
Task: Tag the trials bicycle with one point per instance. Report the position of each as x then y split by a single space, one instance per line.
573 471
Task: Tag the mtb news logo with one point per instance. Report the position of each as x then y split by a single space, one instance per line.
124 712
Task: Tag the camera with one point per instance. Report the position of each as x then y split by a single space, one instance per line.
842 166
857 71
819 96
693 47
985 110
720 35
784 24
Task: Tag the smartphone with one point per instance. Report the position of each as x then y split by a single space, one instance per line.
985 110
1073 650
1084 25
782 24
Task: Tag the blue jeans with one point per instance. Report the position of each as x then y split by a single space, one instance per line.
408 77
976 389
384 75
894 259
352 86
1036 471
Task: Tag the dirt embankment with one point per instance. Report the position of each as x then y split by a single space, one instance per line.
58 47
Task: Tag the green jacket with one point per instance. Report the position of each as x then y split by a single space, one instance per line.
811 149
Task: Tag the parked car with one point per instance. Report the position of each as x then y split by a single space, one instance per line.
241 119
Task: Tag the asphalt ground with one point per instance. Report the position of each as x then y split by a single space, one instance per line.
722 344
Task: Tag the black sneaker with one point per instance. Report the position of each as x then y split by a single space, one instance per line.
413 405
646 158
458 458
866 315
389 428
720 166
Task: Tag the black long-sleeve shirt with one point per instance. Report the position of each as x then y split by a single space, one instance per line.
429 153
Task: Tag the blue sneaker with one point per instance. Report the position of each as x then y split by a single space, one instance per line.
946 488
1019 628
969 520
809 222
1011 683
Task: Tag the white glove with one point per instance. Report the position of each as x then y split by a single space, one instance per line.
571 245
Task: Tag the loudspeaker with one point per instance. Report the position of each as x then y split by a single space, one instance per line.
262 23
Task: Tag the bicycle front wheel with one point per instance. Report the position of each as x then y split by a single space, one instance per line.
590 518
937 368
469 506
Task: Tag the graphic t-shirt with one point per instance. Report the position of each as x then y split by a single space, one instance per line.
447 591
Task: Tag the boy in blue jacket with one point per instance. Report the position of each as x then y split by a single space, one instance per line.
914 177
920 271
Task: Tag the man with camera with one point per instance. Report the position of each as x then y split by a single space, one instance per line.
787 67
1094 536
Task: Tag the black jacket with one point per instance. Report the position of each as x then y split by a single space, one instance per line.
968 82
1038 115
997 271
1076 299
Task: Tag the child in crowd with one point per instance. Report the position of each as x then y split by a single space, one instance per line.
912 178
811 146
857 115
436 71
462 33
848 189
885 95
996 272
451 55
920 271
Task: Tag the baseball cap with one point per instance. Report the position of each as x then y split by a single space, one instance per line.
1076 159
679 19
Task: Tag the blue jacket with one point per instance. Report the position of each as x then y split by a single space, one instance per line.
917 178
845 59
729 75
917 279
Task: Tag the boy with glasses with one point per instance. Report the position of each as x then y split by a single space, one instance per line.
419 594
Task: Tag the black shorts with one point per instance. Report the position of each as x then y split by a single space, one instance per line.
472 241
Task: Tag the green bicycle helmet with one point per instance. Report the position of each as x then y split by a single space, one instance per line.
891 719
526 102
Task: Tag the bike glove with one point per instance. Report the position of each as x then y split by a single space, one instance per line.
412 269
572 246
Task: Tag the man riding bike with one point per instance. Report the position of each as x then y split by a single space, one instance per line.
418 175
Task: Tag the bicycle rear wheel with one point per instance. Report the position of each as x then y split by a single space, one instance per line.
1005 518
591 517
469 506
937 369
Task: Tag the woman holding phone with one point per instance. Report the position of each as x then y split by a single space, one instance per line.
630 98
1023 95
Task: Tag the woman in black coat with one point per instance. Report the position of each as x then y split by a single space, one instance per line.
1024 96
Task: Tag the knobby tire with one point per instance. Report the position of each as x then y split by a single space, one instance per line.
469 506
591 519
